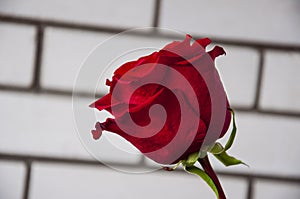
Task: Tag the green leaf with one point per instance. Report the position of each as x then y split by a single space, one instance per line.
228 160
233 132
204 176
217 148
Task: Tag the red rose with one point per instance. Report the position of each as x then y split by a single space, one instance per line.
181 78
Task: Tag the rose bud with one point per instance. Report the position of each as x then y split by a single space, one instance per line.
162 102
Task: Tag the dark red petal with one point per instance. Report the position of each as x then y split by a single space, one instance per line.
203 42
192 60
139 72
107 82
178 55
179 45
98 132
226 122
216 51
111 126
178 48
143 100
125 67
129 65
98 126
102 103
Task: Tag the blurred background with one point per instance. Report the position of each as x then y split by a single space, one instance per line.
42 45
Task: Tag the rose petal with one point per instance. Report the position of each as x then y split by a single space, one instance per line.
129 65
216 51
182 56
96 134
102 103
203 42
107 82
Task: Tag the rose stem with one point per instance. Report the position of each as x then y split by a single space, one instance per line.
209 170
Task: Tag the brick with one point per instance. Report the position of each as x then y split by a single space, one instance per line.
238 69
276 190
12 179
43 125
66 50
234 188
16 54
113 13
94 182
251 20
281 85
269 145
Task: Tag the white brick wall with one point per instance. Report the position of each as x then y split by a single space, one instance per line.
11 179
50 181
267 144
40 124
113 13
239 69
66 50
265 20
281 72
16 54
276 190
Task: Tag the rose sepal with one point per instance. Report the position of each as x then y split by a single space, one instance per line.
220 152
228 160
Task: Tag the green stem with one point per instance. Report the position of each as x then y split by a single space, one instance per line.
209 170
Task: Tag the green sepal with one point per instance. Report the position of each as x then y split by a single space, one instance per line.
228 160
177 165
233 132
204 176
220 152
217 148
191 160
